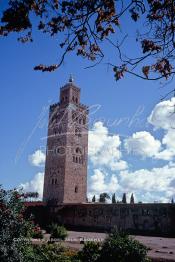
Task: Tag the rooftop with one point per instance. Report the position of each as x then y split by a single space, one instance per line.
70 84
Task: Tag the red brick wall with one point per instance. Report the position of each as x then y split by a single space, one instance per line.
66 172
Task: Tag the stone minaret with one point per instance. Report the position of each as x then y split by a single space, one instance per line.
65 178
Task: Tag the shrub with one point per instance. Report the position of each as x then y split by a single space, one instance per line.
90 252
122 248
118 247
59 232
37 233
15 231
50 253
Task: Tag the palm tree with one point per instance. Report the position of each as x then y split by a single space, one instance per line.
31 195
104 197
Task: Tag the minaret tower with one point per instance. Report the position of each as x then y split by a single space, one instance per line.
65 179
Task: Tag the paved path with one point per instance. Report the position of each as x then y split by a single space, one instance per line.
162 248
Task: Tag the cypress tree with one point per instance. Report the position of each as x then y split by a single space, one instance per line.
113 199
132 199
124 198
93 199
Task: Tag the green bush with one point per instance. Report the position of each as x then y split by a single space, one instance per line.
49 253
120 247
59 232
90 252
37 233
15 230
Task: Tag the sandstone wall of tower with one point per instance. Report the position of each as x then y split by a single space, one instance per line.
67 149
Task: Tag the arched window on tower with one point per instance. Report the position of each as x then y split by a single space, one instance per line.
78 132
76 189
78 150
55 131
78 157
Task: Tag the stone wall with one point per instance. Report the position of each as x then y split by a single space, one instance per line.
145 219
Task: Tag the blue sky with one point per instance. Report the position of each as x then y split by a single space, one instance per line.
25 93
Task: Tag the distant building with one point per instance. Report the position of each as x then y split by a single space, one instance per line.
65 178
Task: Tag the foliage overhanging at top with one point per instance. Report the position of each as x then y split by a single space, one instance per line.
87 24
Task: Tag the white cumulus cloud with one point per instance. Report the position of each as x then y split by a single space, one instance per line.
101 182
166 154
142 144
104 148
156 184
163 115
37 158
169 139
34 185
